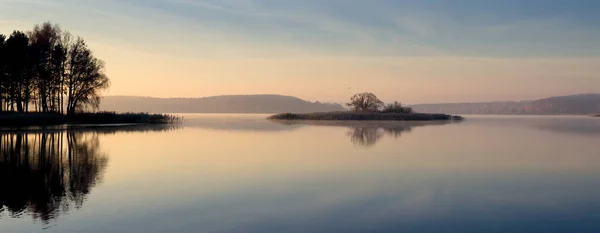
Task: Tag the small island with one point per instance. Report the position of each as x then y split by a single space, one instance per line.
367 107
597 115
50 77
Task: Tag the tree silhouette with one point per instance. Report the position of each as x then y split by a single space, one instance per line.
50 70
17 70
3 70
365 102
84 79
45 40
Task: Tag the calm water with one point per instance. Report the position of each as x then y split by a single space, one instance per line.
228 173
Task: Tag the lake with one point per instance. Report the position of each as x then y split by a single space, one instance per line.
242 173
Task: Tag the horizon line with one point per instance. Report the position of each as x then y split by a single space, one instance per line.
466 102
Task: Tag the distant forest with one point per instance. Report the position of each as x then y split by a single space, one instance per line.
48 69
583 104
216 104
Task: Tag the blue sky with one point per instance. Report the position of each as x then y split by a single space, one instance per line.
561 33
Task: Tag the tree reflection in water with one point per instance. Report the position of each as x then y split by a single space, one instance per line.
368 133
46 173
50 171
365 136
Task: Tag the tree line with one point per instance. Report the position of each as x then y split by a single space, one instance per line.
48 69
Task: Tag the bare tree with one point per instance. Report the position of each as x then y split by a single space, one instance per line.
365 102
18 66
50 69
46 44
85 78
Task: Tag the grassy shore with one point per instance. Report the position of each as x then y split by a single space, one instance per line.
365 116
43 119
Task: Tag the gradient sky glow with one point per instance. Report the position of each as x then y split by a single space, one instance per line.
414 51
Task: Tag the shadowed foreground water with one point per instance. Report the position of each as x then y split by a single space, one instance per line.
241 173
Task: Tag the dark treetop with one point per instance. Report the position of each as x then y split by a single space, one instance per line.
49 70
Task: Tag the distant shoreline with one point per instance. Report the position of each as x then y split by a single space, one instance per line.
14 119
366 116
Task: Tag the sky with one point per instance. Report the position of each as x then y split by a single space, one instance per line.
412 51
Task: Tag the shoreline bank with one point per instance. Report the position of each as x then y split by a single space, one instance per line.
13 119
366 116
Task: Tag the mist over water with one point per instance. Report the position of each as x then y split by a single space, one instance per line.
243 173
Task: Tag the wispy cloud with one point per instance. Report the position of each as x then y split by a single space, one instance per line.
393 48
361 28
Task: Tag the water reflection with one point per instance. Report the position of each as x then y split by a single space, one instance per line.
484 175
365 136
102 129
574 125
46 172
585 127
249 124
368 133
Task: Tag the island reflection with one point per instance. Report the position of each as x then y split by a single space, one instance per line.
368 133
46 172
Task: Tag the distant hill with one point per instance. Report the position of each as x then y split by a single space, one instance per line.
583 104
216 104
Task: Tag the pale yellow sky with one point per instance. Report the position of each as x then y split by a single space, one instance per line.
323 78
413 54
